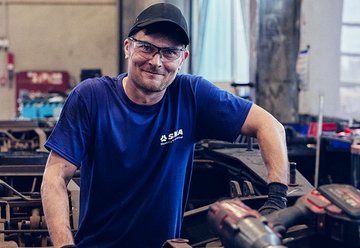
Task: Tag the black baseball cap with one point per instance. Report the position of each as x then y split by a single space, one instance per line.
161 12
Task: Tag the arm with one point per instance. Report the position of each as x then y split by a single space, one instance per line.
272 141
54 196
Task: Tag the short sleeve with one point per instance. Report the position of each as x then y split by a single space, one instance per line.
220 114
71 134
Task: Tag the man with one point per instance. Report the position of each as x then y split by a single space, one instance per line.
133 139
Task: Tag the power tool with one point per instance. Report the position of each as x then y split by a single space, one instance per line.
332 210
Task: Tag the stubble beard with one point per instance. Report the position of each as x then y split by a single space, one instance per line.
148 88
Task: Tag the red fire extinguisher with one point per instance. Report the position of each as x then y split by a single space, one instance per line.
10 67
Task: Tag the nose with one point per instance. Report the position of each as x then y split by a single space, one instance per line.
156 59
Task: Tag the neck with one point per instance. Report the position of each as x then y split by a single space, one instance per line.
139 96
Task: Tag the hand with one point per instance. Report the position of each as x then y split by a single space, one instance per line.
276 198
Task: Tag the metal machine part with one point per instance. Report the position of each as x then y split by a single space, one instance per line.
228 170
21 212
22 162
241 226
21 215
24 135
332 210
176 243
247 166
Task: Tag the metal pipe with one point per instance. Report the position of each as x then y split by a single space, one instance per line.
318 140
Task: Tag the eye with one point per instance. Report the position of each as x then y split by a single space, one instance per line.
146 48
171 52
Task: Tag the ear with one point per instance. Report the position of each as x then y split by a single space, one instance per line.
185 55
126 48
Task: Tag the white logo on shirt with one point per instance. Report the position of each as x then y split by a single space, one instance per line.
171 137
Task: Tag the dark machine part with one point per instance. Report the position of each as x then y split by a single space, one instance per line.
332 211
176 243
24 135
292 174
248 166
335 165
240 226
22 163
21 215
22 220
228 170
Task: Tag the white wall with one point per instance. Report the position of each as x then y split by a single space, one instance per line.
321 29
59 35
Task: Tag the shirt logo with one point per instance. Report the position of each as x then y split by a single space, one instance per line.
171 137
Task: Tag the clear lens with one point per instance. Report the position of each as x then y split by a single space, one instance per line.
148 50
145 48
170 53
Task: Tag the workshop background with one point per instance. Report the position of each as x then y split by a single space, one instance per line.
71 35
299 59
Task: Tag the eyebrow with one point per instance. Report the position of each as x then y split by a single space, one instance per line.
146 42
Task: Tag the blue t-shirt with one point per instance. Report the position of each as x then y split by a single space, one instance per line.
135 161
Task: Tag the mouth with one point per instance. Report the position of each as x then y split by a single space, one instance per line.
153 72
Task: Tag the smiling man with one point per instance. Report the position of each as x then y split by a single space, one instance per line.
133 136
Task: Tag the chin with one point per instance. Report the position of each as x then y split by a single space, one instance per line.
151 87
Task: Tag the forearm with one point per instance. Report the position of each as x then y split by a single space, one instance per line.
56 209
272 142
274 152
271 138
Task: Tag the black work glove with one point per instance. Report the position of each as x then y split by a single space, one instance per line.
276 198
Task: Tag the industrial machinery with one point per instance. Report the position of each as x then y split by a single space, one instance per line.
331 214
24 135
221 170
229 170
21 216
22 161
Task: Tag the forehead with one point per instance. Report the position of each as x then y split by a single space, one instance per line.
158 39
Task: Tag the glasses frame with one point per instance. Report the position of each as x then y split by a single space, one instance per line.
157 50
